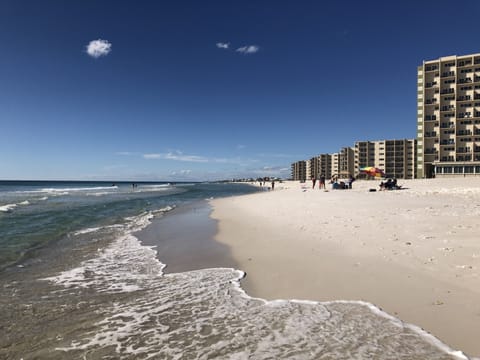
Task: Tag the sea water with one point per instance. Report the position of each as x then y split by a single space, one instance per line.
76 283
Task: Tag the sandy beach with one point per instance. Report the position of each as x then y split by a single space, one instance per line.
415 253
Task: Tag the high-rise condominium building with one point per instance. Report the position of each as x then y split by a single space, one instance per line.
448 116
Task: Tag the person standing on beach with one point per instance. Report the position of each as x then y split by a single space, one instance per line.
322 182
314 181
273 184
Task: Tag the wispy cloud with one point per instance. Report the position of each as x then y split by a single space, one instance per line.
98 48
181 172
240 147
248 49
223 45
125 153
177 156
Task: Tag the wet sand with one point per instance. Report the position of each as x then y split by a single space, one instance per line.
184 239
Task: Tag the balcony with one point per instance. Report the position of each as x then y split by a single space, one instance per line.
431 151
447 142
448 74
464 63
431 101
464 81
447 108
464 132
464 115
430 117
430 134
447 91
464 150
449 125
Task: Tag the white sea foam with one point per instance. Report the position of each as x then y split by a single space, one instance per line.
206 314
63 191
7 207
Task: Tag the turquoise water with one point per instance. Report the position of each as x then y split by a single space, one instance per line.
34 214
77 283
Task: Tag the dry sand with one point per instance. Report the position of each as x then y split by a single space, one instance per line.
415 253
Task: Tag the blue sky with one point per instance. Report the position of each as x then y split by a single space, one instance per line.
204 90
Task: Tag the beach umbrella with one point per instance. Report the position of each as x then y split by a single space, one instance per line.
372 171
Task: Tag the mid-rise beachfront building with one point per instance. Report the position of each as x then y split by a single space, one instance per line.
448 116
395 157
346 162
299 170
334 164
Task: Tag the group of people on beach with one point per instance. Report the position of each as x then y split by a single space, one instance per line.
321 182
336 183
390 184
263 182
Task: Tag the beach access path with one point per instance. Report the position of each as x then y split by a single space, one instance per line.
415 253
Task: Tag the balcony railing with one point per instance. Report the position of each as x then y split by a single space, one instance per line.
464 132
450 125
447 142
464 81
447 91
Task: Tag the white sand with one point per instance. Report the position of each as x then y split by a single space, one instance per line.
415 253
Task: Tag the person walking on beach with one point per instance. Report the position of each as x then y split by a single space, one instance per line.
273 184
314 181
322 182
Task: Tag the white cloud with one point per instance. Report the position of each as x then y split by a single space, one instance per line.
177 156
249 49
181 172
223 45
240 147
98 48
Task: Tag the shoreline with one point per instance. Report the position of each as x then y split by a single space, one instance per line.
184 239
413 253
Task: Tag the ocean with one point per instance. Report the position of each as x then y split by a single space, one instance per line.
77 283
